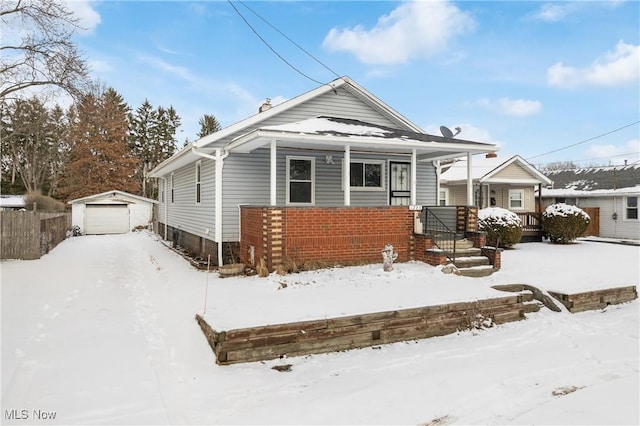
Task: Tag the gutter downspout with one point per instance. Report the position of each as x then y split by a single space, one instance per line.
219 159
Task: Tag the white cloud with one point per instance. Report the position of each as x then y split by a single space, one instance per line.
512 107
88 18
616 154
553 12
416 28
617 67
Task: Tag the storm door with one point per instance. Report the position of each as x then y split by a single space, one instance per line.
399 184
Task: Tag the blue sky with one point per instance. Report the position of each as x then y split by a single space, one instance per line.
533 77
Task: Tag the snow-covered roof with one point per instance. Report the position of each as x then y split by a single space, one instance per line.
483 169
562 192
590 178
335 133
11 201
113 194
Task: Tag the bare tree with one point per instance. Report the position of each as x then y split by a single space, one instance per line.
36 49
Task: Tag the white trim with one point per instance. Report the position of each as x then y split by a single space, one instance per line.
346 175
273 188
312 180
414 176
521 192
112 193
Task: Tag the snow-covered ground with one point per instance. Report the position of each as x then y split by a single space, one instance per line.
102 331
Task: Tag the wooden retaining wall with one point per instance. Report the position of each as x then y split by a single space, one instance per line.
598 299
357 331
29 235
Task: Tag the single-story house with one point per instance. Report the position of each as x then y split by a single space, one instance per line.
609 194
11 202
331 175
111 212
497 182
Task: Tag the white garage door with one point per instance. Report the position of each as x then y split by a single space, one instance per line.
106 219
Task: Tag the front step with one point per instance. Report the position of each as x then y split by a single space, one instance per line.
477 271
462 244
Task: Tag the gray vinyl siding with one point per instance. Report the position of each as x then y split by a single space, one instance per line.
609 228
246 180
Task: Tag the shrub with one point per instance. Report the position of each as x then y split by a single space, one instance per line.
503 227
563 223
43 203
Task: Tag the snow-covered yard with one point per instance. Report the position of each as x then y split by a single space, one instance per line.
102 331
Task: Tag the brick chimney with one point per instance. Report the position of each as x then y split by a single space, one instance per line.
491 155
265 105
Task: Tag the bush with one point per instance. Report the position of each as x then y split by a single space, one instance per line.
563 223
503 227
43 203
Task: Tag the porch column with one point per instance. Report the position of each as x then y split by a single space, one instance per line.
346 180
273 173
414 182
469 180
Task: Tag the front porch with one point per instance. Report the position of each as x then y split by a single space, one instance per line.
310 237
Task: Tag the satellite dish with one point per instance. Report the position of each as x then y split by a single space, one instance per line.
446 132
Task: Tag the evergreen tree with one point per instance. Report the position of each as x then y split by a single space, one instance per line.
100 159
208 124
152 140
31 138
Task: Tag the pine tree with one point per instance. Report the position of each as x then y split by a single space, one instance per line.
208 124
100 159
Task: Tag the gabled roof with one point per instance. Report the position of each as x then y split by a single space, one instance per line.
216 140
334 132
346 82
593 178
486 170
114 195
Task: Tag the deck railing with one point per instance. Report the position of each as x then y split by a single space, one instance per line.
531 223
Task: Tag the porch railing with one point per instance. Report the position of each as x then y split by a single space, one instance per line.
531 223
442 236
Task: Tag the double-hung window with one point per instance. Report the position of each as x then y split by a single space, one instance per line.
631 208
366 174
300 180
172 187
198 181
516 199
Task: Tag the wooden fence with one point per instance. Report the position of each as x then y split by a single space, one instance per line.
29 235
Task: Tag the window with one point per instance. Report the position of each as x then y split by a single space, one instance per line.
162 189
516 199
198 182
443 197
632 208
300 180
366 174
172 192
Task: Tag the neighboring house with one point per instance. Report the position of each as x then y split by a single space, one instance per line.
497 182
275 186
111 212
11 202
610 195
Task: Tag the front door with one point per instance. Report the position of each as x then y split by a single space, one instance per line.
399 184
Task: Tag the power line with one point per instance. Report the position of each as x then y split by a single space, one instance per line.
271 48
293 42
584 141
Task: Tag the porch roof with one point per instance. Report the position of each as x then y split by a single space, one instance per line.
333 133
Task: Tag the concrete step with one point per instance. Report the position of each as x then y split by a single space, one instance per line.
469 261
468 252
477 271
460 245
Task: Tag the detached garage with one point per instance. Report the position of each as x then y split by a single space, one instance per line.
112 212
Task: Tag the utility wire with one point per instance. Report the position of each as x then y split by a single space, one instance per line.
293 42
271 48
584 141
